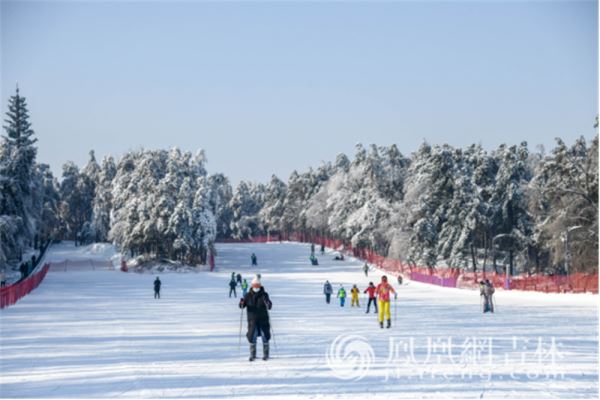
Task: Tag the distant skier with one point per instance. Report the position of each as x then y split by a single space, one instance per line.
157 284
258 304
327 291
399 279
313 260
254 259
238 278
232 285
233 276
322 249
341 294
487 291
366 269
372 297
383 295
244 288
312 248
355 293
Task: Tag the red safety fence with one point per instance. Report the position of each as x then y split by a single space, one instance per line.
9 295
448 277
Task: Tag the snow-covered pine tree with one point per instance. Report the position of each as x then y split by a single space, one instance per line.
17 166
271 213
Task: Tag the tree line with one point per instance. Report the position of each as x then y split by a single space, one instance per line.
532 212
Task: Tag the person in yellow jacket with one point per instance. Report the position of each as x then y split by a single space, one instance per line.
355 292
383 291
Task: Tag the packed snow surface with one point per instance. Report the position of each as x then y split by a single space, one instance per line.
100 333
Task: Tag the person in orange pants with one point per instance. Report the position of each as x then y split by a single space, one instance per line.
383 291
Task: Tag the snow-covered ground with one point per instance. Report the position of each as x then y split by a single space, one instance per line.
102 334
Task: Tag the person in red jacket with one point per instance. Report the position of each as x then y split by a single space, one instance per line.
372 296
383 291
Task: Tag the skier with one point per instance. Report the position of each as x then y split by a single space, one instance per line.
399 279
322 249
238 278
355 293
487 291
383 295
366 269
257 304
157 284
327 290
232 285
253 259
244 288
341 294
313 259
312 248
372 298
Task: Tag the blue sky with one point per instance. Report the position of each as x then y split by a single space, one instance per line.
267 87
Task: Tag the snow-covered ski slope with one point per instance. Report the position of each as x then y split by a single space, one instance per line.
102 334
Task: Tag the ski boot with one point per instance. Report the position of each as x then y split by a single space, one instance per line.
265 351
381 324
252 352
389 323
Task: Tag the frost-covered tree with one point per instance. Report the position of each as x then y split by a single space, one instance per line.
102 204
17 168
271 214
245 205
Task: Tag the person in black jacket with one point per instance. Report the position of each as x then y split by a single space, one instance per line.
257 304
157 288
232 285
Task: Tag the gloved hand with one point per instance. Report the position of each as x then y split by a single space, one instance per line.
268 304
242 303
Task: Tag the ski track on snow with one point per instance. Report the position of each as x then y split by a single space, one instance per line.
102 334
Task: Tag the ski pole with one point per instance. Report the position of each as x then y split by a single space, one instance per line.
273 334
240 335
395 310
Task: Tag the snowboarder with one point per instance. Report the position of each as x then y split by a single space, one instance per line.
257 304
253 259
327 290
355 293
313 259
157 284
487 291
372 298
383 295
232 285
238 278
244 288
341 294
322 249
366 269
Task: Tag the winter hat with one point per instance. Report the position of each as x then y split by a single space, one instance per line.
384 278
256 281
